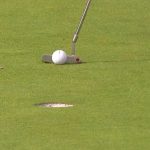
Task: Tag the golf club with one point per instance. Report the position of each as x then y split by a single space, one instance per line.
47 58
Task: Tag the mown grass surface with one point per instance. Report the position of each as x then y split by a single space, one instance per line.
110 92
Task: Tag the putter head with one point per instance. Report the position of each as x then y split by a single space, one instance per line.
71 59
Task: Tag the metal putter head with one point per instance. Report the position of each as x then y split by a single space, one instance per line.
47 58
71 59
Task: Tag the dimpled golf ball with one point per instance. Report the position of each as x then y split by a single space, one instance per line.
59 57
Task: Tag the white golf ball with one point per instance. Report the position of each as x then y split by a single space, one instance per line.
59 57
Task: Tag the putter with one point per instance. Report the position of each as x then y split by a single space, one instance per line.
47 58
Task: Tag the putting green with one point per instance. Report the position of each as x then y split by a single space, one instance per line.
110 92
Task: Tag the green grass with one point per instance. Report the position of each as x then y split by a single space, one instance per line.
110 92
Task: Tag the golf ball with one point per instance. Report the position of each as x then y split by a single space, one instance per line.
59 57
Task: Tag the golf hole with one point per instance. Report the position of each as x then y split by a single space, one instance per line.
54 105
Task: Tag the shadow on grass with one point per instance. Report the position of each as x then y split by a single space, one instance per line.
65 64
119 61
100 61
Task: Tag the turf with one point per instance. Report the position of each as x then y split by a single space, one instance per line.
110 92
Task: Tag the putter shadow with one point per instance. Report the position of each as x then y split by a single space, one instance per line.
76 63
119 61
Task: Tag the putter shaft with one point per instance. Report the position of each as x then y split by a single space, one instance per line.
75 36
